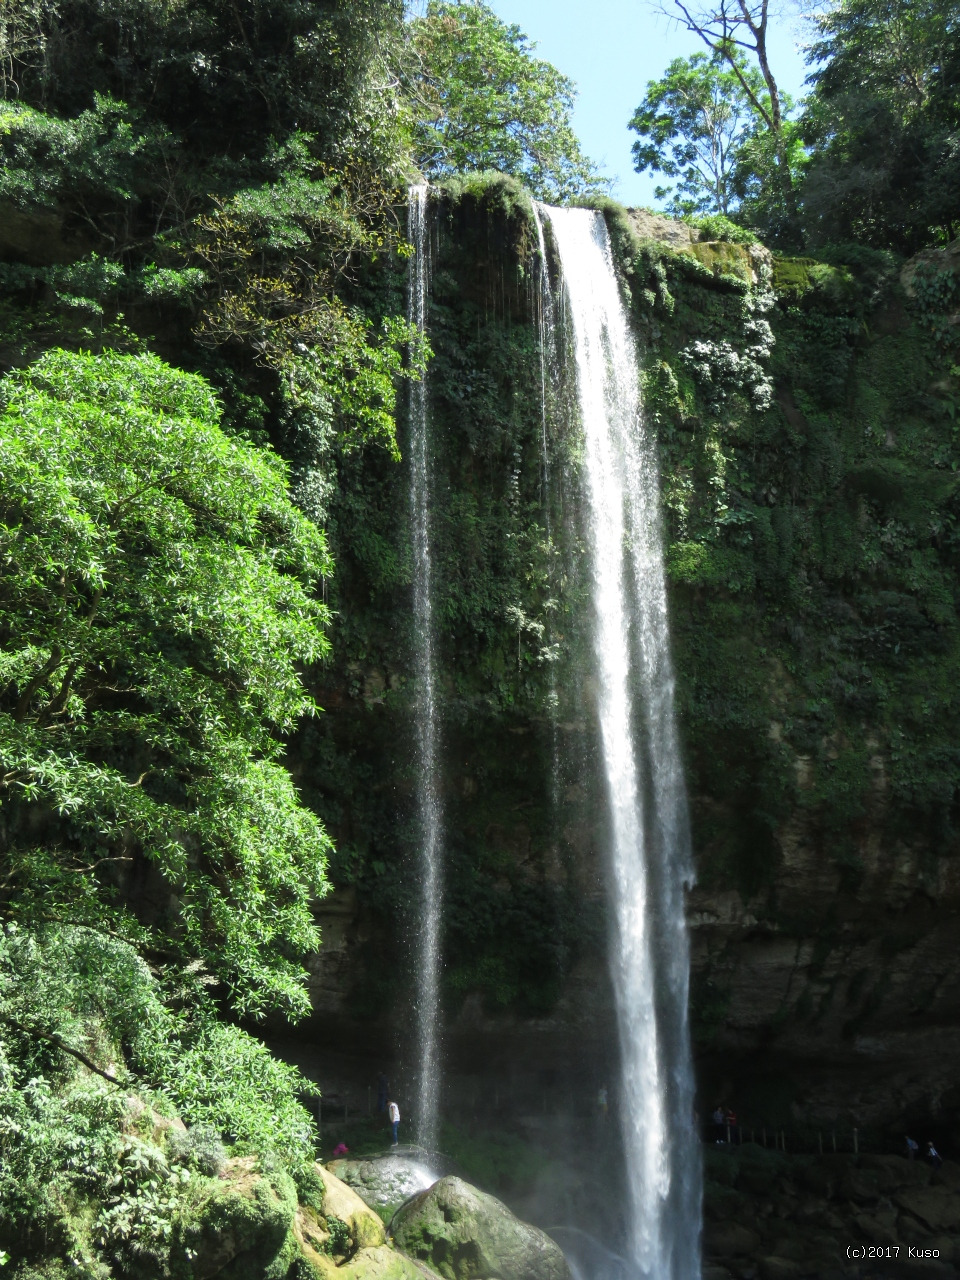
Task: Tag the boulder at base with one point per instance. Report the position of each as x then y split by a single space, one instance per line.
465 1234
385 1182
340 1201
345 1240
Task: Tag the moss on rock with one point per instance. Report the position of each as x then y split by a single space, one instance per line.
244 1224
724 258
342 1202
465 1234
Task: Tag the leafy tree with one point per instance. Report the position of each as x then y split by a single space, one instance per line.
480 99
225 75
734 30
883 123
240 161
692 125
154 610
96 1047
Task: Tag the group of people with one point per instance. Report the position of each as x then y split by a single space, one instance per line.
932 1155
725 1124
724 1120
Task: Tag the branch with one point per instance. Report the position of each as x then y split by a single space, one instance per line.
63 1046
60 701
23 705
720 42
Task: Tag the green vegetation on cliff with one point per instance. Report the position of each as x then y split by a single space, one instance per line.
204 344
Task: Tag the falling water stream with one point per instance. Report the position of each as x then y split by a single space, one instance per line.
649 842
546 324
646 803
429 810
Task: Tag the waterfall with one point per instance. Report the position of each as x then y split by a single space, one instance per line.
429 810
546 322
546 327
648 836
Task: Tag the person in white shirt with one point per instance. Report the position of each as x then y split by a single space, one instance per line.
393 1111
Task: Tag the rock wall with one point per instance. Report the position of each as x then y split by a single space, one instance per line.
805 417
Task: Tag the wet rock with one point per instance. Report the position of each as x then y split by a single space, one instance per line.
380 1263
893 1172
775 1268
875 1231
341 1201
946 1246
465 1234
385 1182
860 1185
757 1169
730 1240
938 1208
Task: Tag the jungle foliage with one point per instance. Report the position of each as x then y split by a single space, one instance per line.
156 602
202 328
483 100
883 124
204 342
102 1059
871 155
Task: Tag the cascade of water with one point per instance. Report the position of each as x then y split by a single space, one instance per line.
649 855
430 813
546 325
546 321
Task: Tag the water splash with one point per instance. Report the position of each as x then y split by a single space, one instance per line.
649 841
429 809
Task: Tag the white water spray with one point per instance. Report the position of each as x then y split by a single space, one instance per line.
649 853
429 810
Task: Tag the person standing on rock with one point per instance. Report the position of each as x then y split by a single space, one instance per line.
719 1130
933 1155
393 1113
912 1148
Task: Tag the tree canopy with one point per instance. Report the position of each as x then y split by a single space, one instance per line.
156 603
737 32
481 99
883 123
692 126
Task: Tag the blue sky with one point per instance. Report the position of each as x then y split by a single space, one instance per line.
611 48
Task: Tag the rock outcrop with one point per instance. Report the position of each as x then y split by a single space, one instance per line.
464 1234
777 1216
384 1182
243 1224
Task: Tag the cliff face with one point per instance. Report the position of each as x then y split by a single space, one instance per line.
806 421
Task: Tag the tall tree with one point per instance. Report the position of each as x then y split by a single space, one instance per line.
155 611
692 125
883 123
732 29
481 99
